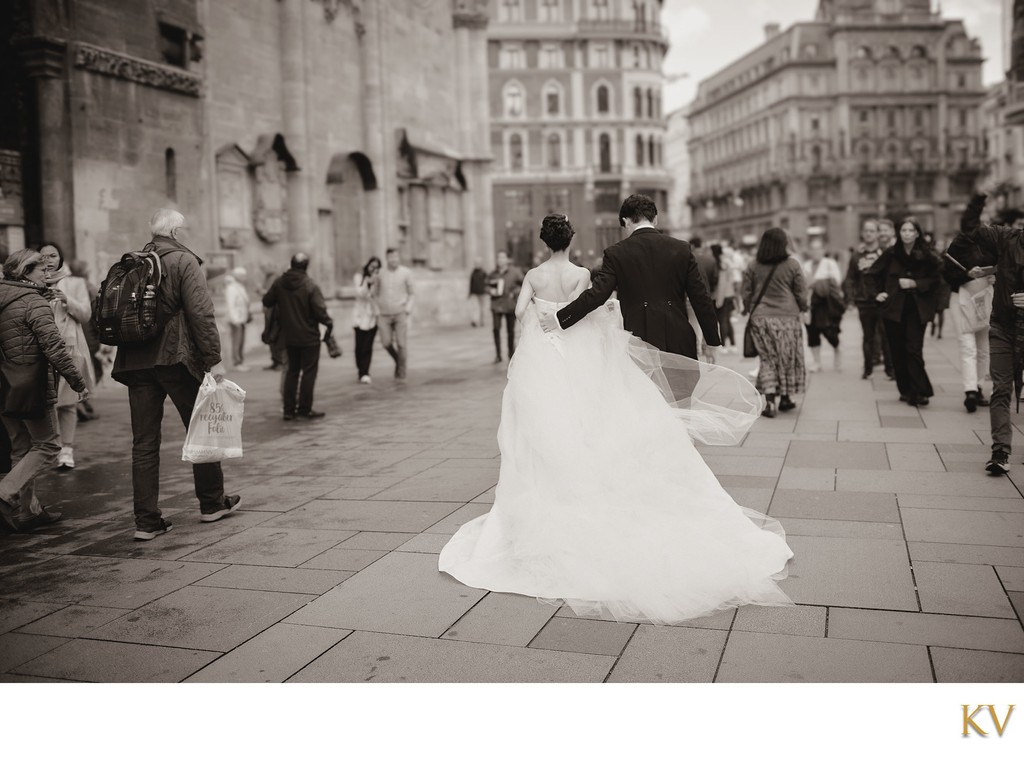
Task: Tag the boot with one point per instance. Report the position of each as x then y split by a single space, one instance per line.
982 400
786 403
815 360
971 401
769 408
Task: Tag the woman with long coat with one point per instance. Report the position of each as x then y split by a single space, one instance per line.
33 353
908 277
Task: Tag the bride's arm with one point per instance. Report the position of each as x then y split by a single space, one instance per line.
525 295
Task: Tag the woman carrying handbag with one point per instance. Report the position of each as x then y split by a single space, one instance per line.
774 287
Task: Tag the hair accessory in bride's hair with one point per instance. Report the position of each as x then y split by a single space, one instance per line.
556 231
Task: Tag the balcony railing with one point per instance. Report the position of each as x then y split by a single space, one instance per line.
623 27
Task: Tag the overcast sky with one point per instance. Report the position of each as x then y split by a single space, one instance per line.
707 35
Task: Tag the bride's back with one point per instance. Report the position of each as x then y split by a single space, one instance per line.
558 281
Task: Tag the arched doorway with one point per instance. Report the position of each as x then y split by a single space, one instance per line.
344 228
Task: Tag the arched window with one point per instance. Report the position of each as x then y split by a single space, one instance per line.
515 152
864 155
603 106
864 52
816 157
171 174
639 150
810 51
514 96
638 102
892 52
650 103
918 51
636 56
552 99
554 151
605 148
650 151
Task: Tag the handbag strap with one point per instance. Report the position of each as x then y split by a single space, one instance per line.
757 301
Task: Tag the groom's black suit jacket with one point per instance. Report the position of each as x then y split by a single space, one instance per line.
654 274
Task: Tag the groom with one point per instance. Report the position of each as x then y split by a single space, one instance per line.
654 274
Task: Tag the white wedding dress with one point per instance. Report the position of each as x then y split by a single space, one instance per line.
603 501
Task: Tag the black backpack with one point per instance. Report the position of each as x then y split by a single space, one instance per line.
128 307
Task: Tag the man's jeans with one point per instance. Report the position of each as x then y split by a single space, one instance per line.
974 350
1001 368
237 344
873 337
147 390
303 360
35 444
510 329
394 336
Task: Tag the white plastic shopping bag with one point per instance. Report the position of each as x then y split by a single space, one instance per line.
215 429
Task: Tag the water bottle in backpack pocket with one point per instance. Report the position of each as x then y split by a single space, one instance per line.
128 308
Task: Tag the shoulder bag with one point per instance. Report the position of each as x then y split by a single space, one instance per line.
749 349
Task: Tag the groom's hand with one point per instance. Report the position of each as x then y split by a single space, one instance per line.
709 353
549 321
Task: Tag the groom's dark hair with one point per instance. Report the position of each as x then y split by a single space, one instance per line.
637 207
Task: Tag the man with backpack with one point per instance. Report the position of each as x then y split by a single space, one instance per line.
165 357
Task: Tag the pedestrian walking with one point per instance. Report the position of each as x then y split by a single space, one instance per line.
72 309
237 298
504 285
1002 246
774 296
364 316
907 278
730 276
80 269
972 286
271 336
172 365
300 310
394 304
32 355
824 281
478 294
860 290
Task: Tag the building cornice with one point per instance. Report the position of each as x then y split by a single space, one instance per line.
131 69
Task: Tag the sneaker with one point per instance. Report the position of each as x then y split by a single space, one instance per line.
866 375
971 401
9 515
231 503
786 404
165 526
769 410
311 414
813 368
365 379
999 463
66 458
288 416
240 368
497 360
44 517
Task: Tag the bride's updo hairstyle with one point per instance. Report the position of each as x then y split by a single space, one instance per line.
556 231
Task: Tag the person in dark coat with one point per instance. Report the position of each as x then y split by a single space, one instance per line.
33 354
907 278
300 310
654 275
859 289
478 294
504 285
172 365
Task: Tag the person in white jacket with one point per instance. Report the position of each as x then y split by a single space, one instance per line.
69 298
237 298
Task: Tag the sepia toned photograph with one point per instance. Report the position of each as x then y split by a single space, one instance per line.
513 341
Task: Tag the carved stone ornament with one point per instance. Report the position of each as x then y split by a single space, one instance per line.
470 14
332 7
271 160
137 70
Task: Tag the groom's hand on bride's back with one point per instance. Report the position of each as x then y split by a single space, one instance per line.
549 321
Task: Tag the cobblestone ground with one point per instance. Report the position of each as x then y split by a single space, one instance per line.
908 561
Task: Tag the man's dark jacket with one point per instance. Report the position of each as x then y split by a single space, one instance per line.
654 275
300 308
1002 246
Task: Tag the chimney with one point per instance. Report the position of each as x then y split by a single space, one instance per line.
771 30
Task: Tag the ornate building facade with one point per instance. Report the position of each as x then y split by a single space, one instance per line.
336 127
576 117
871 109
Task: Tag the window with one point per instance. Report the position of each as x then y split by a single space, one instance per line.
510 10
602 100
636 56
919 119
605 150
515 152
639 150
171 174
865 117
519 205
556 201
599 9
638 102
868 190
963 118
816 158
552 99
511 57
174 45
554 151
961 81
606 198
892 153
810 51
650 151
549 10
600 57
864 53
551 57
890 119
897 190
650 103
815 124
513 97
918 52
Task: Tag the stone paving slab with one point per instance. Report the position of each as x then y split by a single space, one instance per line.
929 629
377 657
273 546
17 648
1011 577
913 457
73 621
752 498
401 593
584 636
770 658
425 543
807 478
823 455
210 619
835 528
954 553
904 435
965 589
451 524
782 620
15 614
844 506
287 493
990 528
504 619
954 665
381 516
849 572
275 579
755 466
956 503
344 559
100 661
669 655
273 656
460 485
979 485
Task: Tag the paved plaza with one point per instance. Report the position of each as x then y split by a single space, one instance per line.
908 557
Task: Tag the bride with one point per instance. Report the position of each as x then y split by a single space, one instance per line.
603 501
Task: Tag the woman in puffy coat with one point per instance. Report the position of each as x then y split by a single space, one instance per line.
72 308
33 353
